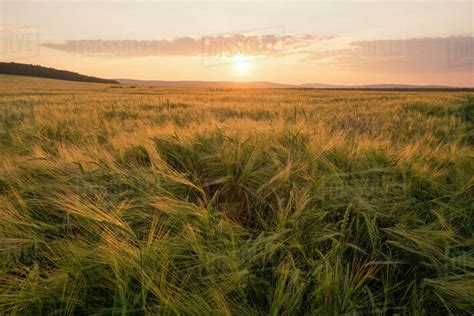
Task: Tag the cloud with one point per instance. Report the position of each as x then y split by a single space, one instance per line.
222 45
183 46
415 55
403 56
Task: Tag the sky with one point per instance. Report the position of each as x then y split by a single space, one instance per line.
333 42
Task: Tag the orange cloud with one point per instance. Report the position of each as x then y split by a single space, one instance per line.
415 55
222 45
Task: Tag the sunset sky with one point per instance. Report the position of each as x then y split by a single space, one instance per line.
342 42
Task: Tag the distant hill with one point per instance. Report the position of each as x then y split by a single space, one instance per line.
45 72
272 85
52 73
370 86
205 84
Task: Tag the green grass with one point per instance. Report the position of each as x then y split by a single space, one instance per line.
248 202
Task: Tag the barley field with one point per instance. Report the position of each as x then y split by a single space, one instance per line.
135 200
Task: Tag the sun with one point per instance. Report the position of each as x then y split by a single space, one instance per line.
241 64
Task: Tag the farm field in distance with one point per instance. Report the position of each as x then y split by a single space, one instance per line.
117 199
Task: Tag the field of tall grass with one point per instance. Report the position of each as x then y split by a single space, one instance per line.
133 200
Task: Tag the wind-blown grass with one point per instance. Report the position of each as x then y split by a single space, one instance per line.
156 201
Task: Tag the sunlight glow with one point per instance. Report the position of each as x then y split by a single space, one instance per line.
241 64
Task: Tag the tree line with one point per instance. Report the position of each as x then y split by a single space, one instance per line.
46 72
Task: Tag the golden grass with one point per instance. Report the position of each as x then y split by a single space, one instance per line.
209 201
